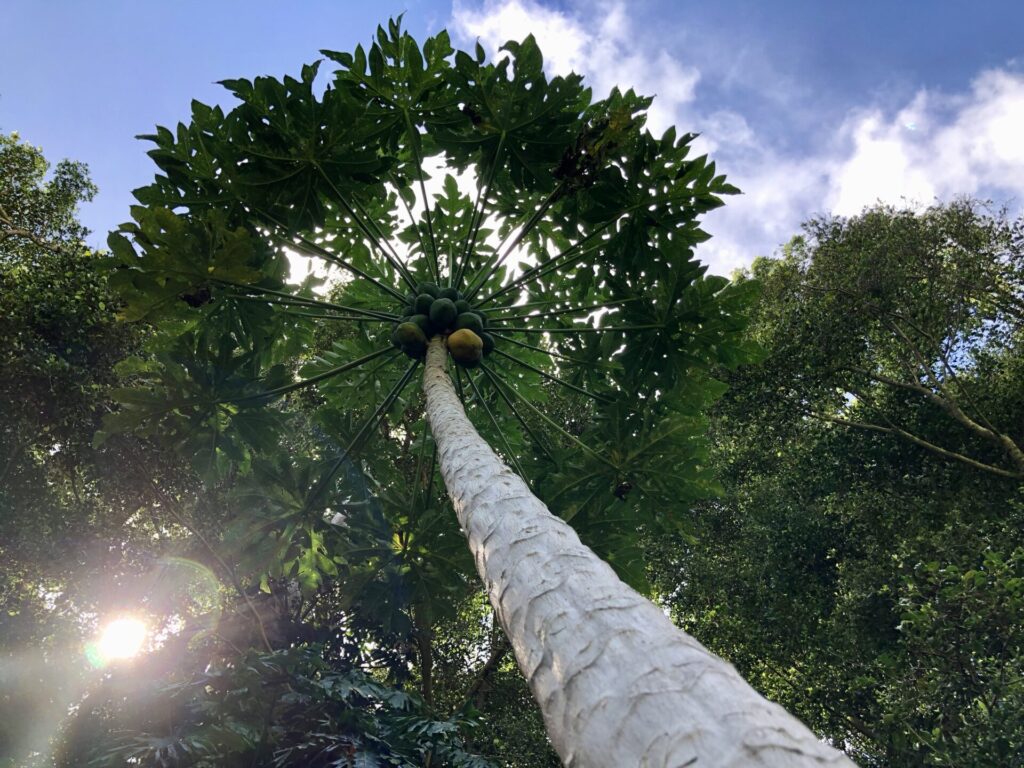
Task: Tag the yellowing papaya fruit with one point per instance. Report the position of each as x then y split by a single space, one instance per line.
466 348
410 333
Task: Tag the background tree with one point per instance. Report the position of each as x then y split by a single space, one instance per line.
864 564
922 308
89 530
60 340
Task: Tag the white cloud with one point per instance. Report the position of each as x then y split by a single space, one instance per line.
881 166
605 51
935 147
562 40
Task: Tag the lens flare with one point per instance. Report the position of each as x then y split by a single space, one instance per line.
120 639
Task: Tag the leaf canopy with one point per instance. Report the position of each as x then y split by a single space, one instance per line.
566 227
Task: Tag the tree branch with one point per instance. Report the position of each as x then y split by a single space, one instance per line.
9 230
893 430
481 685
424 646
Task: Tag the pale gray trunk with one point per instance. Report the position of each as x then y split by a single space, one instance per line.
618 683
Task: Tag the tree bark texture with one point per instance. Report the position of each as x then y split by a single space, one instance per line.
619 685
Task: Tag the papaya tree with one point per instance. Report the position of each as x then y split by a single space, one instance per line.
531 250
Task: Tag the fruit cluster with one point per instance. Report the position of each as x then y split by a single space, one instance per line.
432 311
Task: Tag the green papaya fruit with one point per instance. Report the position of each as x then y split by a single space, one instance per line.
462 305
443 313
415 350
423 302
424 324
429 288
470 320
448 293
488 341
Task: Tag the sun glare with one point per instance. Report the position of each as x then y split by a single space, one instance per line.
121 639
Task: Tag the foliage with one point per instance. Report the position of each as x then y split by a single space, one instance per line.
291 531
587 281
921 308
474 670
866 581
59 342
90 530
574 253
39 212
60 339
288 707
265 487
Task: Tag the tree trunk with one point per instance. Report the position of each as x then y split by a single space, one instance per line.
617 682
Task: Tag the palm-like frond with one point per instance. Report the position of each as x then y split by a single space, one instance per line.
575 249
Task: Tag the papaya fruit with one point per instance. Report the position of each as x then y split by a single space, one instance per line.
423 302
396 339
471 321
466 348
449 293
488 341
462 305
442 313
408 333
424 324
412 339
429 288
417 350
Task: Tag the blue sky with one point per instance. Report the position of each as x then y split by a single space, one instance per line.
809 106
